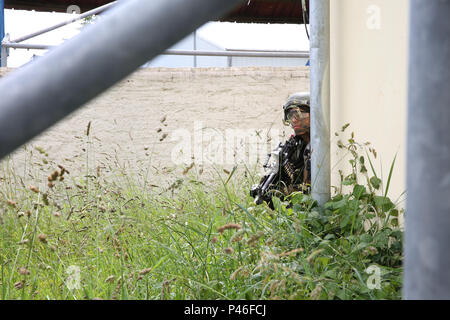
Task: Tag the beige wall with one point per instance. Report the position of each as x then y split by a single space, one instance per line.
369 80
127 130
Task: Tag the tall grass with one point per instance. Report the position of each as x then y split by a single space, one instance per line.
130 239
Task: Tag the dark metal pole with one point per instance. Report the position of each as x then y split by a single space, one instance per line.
132 32
427 218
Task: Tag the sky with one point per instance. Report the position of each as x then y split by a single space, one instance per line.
282 37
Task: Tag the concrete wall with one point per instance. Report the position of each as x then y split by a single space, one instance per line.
127 128
369 45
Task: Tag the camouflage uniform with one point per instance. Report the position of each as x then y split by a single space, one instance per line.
302 157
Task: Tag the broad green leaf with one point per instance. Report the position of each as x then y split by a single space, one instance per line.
366 238
394 213
336 205
375 182
361 160
358 191
384 203
345 221
329 236
349 180
345 126
394 222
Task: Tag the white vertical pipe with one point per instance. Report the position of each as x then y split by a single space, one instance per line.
320 99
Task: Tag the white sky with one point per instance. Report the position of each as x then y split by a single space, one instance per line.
226 35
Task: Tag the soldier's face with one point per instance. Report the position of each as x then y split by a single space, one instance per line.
300 121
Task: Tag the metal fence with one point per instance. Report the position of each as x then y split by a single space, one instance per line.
16 43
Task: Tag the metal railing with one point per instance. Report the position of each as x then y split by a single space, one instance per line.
16 43
225 53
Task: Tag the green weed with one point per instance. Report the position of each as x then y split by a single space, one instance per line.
120 237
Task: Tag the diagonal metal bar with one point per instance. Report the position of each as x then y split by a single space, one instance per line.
132 32
64 23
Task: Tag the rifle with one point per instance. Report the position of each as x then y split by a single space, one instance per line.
280 173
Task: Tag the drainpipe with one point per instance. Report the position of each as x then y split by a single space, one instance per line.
427 218
320 99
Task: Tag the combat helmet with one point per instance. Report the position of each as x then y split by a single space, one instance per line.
299 99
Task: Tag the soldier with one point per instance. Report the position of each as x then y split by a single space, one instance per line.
297 115
289 166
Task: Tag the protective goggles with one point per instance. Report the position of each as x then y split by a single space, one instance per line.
297 114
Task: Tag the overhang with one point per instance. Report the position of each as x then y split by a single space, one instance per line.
256 11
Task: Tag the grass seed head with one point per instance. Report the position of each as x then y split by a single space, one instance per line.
254 238
11 203
163 137
185 171
311 257
236 238
19 285
241 272
291 252
317 292
229 226
63 170
228 250
34 189
42 238
53 176
24 271
145 271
